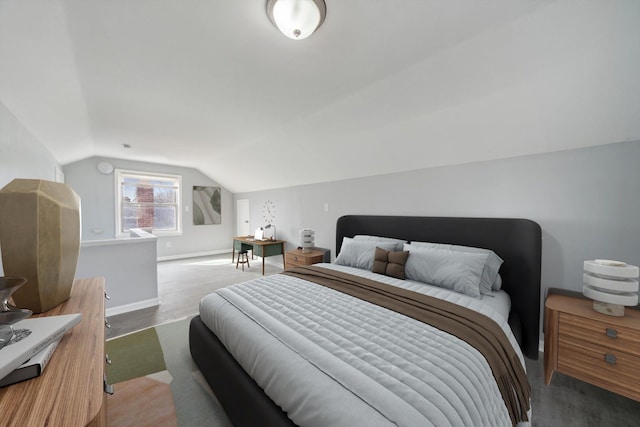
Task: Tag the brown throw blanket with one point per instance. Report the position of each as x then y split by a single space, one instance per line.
476 329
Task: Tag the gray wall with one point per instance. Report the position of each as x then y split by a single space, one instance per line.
587 202
22 155
97 192
129 267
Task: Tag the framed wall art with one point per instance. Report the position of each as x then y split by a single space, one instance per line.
207 205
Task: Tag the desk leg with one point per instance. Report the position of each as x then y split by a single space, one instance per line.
233 251
284 266
263 257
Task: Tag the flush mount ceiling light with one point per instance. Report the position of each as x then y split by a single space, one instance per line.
297 19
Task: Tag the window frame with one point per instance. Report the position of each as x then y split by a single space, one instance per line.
120 174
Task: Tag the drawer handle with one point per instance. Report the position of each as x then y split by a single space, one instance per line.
611 333
610 359
106 324
107 359
106 296
108 388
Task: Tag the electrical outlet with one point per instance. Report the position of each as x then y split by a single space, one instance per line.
326 207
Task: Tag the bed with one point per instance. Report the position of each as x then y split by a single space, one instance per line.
516 241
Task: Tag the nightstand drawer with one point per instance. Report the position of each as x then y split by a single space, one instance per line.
599 333
614 370
297 258
295 261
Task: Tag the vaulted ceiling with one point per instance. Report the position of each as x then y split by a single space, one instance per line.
383 86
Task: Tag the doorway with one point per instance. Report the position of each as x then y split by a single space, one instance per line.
242 214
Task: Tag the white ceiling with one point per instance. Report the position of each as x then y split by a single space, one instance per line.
383 86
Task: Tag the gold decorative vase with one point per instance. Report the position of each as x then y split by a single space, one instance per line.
40 240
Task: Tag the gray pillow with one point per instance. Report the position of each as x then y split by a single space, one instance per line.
399 242
360 253
458 271
497 285
491 268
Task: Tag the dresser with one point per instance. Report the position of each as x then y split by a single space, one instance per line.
70 391
297 258
593 347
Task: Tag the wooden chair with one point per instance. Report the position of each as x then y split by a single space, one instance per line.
243 259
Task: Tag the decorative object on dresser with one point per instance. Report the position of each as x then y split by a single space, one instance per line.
593 347
611 285
32 367
33 335
40 240
297 257
71 391
307 237
8 313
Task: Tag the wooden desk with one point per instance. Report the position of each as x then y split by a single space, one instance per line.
70 391
262 248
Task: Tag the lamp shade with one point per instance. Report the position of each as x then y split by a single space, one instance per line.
611 285
296 19
272 231
307 238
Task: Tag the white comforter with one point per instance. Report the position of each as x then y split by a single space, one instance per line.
329 359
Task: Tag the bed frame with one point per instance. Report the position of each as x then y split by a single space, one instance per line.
517 241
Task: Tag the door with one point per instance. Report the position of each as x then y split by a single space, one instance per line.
242 213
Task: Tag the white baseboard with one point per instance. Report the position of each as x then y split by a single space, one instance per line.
112 311
541 346
193 255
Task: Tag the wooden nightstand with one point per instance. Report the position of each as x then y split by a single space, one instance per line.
593 347
296 258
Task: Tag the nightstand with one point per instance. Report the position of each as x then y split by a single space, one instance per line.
296 258
593 347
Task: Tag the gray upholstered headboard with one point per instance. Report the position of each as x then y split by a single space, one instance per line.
517 241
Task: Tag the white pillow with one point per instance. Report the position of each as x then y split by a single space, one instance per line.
491 267
360 253
497 285
399 242
458 271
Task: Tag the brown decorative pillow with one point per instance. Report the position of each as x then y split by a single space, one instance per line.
390 263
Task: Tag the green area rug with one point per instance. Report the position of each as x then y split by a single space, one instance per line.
134 355
166 347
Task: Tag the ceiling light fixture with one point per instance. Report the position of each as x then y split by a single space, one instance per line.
297 19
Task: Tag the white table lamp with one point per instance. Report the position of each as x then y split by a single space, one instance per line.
306 240
611 285
272 229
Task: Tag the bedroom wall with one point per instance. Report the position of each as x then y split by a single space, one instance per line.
586 201
98 207
22 155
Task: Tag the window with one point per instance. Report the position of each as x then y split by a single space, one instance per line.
147 201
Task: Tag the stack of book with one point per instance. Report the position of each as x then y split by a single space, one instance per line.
36 340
